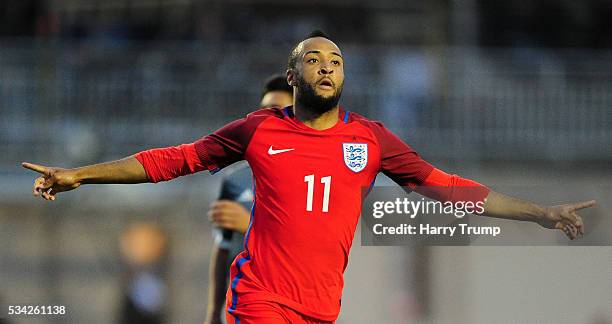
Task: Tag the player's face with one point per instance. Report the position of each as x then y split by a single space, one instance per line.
276 99
322 66
319 74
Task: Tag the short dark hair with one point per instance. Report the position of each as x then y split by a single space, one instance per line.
295 53
317 33
277 82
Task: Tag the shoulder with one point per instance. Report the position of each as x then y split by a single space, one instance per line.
242 129
369 123
267 112
376 127
253 119
383 135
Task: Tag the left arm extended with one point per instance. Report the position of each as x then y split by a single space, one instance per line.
402 164
446 187
562 217
442 186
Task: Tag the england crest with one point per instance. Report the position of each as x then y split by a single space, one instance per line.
355 156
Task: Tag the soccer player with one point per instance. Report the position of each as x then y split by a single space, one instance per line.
309 164
231 211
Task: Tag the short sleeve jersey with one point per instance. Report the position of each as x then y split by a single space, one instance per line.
308 191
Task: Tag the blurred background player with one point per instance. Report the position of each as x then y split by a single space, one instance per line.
144 291
231 212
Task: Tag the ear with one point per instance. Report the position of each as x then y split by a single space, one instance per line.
291 77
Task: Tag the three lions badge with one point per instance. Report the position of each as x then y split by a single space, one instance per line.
355 156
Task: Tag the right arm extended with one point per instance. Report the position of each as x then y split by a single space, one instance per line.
154 165
213 152
53 180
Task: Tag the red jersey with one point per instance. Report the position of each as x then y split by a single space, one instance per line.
308 190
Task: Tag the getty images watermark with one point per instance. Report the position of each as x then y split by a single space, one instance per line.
413 208
394 216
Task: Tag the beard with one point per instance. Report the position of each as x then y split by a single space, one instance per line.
311 101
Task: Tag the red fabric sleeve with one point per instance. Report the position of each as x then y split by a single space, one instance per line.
163 164
398 160
442 186
212 152
228 144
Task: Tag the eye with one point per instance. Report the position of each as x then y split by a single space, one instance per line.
312 60
336 62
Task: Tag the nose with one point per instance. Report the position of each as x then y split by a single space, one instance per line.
326 69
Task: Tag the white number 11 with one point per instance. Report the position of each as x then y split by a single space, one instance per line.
327 182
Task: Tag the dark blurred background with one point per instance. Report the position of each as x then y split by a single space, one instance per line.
514 93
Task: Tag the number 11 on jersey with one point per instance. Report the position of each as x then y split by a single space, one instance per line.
310 179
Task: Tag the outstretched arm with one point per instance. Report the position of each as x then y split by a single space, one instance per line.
442 186
54 180
562 217
402 164
213 152
446 187
161 164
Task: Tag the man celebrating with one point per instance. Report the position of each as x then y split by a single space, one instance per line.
310 162
230 211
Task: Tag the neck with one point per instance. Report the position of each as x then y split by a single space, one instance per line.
317 121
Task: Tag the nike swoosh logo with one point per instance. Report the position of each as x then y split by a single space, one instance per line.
272 151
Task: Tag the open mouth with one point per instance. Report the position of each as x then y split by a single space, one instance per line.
326 84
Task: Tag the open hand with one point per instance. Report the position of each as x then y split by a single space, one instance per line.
52 180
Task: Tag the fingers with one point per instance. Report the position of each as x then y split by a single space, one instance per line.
38 186
571 231
226 214
35 167
226 207
225 204
44 188
567 220
212 216
41 184
572 218
218 216
579 224
49 194
584 204
221 220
